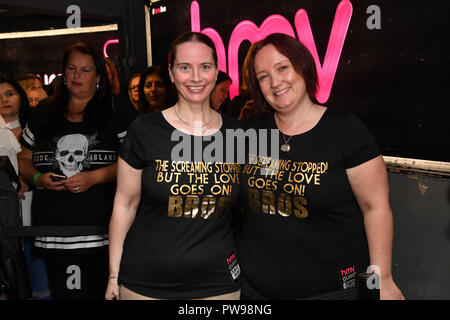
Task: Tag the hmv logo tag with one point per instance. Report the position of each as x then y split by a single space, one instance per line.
348 277
233 266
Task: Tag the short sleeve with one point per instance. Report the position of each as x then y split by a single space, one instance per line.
124 114
359 145
28 137
132 148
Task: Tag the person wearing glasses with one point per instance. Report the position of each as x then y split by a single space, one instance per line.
133 90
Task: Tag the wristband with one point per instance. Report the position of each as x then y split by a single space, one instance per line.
113 277
35 177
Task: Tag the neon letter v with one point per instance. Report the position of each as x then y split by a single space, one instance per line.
327 72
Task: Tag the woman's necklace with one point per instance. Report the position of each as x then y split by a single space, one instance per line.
203 127
285 147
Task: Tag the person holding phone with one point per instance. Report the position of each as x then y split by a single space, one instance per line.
69 155
57 177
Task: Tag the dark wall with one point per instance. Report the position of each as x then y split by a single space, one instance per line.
43 55
421 252
89 8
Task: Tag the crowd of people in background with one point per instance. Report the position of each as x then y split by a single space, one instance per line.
89 155
147 92
154 92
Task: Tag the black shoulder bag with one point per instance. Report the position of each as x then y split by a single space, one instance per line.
14 280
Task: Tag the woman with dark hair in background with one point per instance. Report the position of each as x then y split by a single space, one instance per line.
15 111
155 90
14 277
241 106
171 238
322 215
220 92
14 106
69 153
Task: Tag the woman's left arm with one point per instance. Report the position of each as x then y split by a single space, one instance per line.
370 185
82 181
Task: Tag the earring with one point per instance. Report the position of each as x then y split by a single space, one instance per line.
97 86
64 80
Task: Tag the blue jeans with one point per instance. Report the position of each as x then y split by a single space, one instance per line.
37 273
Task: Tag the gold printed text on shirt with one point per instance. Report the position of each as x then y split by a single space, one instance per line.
222 205
175 206
268 202
208 206
284 205
191 206
299 203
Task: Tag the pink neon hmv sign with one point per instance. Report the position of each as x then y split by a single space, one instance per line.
247 30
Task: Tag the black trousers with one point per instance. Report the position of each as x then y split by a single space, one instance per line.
78 276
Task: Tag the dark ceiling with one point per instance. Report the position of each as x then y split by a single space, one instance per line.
17 19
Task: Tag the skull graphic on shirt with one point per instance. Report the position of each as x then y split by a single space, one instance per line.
71 150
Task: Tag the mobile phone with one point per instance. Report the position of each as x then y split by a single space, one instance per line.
57 177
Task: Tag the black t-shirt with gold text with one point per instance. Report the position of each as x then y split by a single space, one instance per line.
180 244
303 231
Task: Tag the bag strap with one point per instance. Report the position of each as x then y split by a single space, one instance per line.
5 164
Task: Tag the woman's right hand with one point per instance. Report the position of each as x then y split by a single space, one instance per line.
112 291
44 181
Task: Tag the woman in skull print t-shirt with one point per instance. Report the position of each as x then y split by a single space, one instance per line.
75 134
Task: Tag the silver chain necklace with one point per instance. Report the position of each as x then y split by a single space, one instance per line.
190 125
285 147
